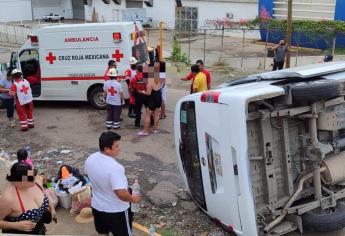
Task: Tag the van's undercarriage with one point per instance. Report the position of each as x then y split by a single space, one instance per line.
297 158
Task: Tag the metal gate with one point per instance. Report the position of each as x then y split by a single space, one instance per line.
186 21
78 10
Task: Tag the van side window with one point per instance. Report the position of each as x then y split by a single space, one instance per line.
189 152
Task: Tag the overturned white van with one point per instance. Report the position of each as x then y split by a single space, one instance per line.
68 62
265 155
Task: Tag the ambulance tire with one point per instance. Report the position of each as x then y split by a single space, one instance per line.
325 222
96 98
306 93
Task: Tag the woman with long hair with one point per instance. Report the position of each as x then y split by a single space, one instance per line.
154 102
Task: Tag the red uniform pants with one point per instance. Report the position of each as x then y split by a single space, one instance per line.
25 115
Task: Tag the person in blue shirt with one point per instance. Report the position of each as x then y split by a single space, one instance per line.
6 99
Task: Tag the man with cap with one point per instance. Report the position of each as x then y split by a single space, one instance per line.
21 90
114 98
129 74
111 64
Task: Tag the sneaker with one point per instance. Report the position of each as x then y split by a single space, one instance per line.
162 117
12 123
155 131
142 133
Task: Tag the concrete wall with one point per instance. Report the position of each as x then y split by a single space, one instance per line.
41 8
67 11
106 12
15 10
207 10
61 7
164 10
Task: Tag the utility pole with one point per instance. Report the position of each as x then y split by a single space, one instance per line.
289 33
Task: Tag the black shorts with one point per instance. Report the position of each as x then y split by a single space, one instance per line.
119 223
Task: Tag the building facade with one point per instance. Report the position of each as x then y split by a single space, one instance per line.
201 11
17 10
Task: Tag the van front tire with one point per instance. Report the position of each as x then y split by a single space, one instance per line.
96 98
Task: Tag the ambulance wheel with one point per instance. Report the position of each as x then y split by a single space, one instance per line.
96 98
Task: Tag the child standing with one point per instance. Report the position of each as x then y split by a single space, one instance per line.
114 99
23 157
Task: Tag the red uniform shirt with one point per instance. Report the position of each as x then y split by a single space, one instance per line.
137 83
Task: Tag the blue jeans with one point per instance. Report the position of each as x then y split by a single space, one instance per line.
8 103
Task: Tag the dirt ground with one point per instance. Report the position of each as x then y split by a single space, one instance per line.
76 126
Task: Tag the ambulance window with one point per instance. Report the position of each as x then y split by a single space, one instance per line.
28 55
29 62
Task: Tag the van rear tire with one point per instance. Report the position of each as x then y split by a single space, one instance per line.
325 222
306 93
96 98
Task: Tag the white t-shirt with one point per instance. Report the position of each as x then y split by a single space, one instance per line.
106 175
113 90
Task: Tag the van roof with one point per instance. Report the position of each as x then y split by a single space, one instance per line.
87 26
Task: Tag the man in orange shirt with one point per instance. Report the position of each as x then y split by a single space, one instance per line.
190 76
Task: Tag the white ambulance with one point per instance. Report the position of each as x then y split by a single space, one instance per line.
265 155
68 62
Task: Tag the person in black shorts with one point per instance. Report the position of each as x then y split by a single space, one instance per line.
110 194
154 101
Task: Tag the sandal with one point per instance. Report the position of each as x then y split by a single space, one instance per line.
142 133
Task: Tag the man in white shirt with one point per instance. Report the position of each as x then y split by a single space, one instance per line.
110 195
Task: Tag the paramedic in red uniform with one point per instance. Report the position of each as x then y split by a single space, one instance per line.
138 84
129 74
190 76
23 96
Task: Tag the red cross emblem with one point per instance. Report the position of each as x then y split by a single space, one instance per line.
112 91
51 58
24 89
117 56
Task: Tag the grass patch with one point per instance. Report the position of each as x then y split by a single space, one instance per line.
169 232
338 51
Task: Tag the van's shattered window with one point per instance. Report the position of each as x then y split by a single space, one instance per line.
211 163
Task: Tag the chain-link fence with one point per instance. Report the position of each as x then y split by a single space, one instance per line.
219 45
244 48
